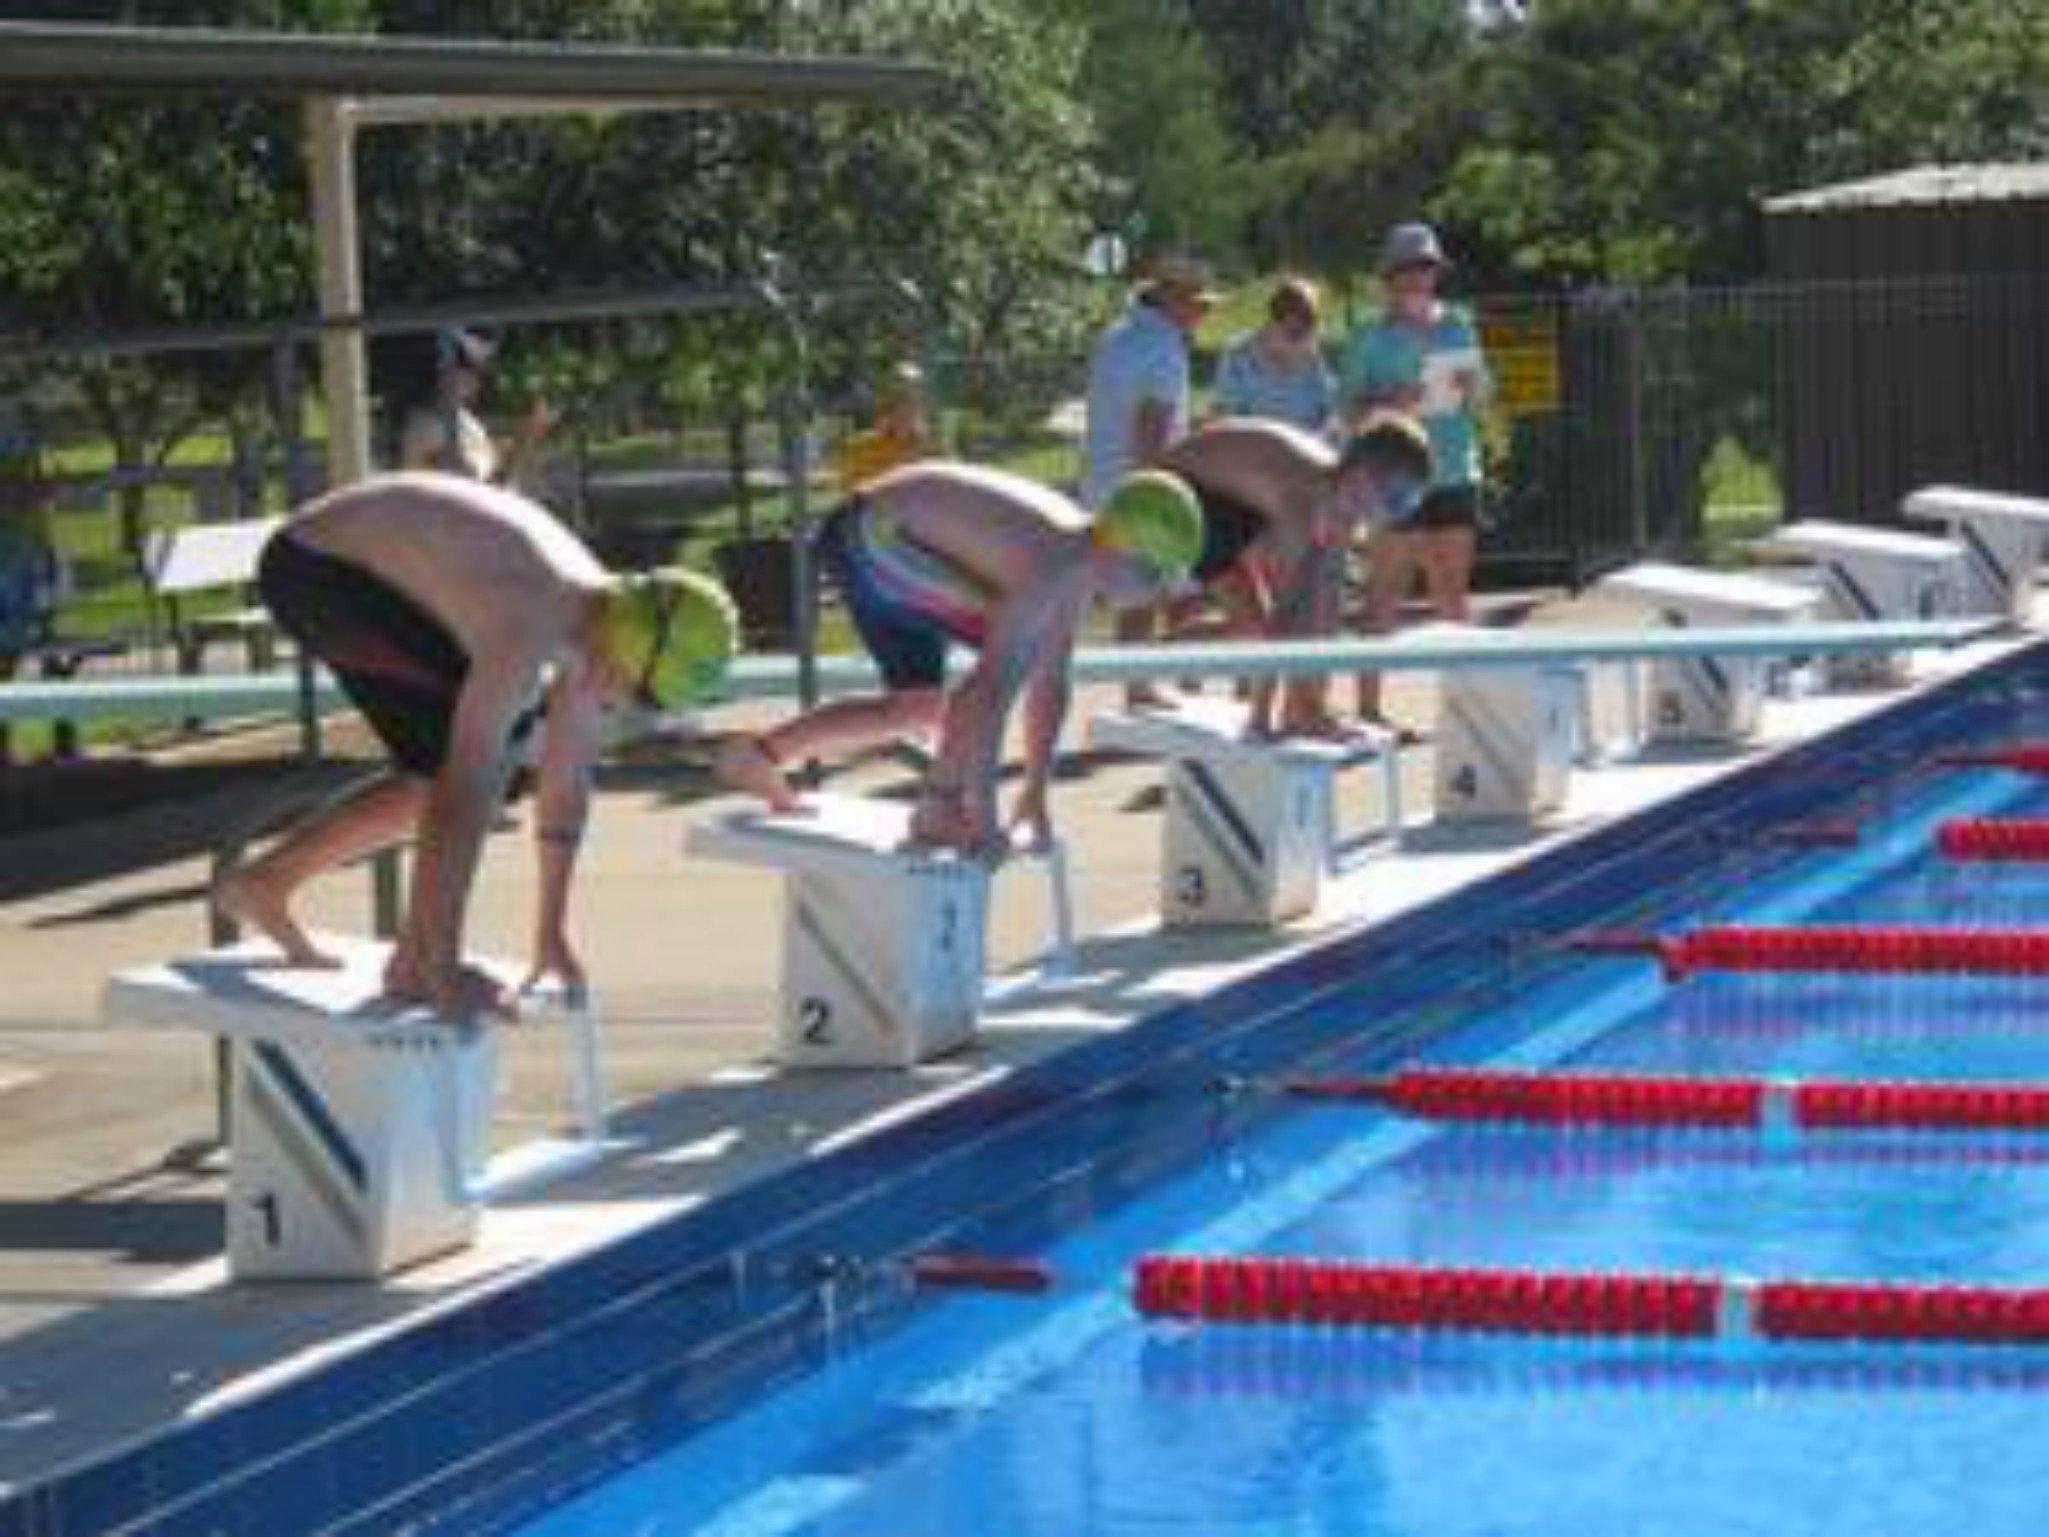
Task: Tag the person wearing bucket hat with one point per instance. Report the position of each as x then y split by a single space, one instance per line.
458 617
940 553
1421 355
1279 509
439 428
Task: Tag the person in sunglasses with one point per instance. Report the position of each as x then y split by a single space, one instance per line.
941 553
1279 510
458 617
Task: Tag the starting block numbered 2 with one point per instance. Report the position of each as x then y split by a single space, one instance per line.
358 1130
2002 537
884 947
1249 835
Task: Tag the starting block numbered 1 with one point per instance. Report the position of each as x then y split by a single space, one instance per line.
358 1128
1876 573
1250 831
884 947
1706 698
2002 538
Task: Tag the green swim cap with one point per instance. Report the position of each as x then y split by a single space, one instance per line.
673 631
1154 514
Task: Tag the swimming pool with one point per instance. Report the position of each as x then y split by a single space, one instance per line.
1069 1415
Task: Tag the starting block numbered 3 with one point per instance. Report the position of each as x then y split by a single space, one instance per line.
1250 832
358 1130
884 947
2002 537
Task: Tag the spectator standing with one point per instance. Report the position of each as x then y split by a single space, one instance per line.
1421 356
1138 398
900 434
440 429
29 571
1278 371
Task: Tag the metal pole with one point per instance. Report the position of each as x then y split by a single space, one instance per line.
795 414
287 407
330 150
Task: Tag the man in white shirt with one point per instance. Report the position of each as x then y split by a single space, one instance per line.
1138 395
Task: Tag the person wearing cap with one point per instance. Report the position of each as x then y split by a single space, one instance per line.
456 617
1138 398
443 432
899 434
941 553
1279 509
1278 371
1422 356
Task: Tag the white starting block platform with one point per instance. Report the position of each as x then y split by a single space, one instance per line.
2002 537
1707 698
1250 832
358 1128
1877 574
1508 735
884 946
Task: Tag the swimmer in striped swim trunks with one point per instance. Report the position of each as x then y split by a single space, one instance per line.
938 554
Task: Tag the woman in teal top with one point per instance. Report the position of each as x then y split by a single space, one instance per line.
1421 356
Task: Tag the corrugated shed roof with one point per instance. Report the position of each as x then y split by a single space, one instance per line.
1922 185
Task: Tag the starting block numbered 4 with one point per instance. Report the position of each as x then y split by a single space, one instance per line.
1507 738
358 1130
884 959
1250 831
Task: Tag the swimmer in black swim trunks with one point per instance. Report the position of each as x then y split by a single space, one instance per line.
454 615
1280 508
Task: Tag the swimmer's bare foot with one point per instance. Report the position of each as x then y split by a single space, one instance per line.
1147 696
742 763
247 899
1404 736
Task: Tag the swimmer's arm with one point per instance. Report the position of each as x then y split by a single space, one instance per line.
1153 430
971 731
1049 693
460 804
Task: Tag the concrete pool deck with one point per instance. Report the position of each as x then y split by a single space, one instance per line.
109 1260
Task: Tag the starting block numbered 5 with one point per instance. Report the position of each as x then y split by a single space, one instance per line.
1706 698
884 948
358 1128
1249 835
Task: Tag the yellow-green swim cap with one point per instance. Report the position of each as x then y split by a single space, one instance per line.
1154 514
673 632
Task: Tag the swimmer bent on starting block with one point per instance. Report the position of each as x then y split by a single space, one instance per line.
941 552
1279 510
456 616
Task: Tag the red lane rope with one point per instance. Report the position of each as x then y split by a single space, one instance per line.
1259 1290
1326 1292
1823 948
978 1272
1642 1099
2027 758
2016 838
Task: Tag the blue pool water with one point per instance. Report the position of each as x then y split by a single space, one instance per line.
1068 1416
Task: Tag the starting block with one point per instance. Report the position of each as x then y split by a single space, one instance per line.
2002 538
884 946
1250 834
1876 573
1706 698
1508 735
358 1129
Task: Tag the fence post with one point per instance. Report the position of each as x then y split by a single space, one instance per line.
286 406
794 422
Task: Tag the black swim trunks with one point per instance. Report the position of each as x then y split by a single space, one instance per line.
1228 528
397 663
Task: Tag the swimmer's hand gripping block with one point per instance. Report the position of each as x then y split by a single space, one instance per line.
1249 836
884 946
358 1128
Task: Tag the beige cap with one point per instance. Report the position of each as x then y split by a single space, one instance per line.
1177 272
